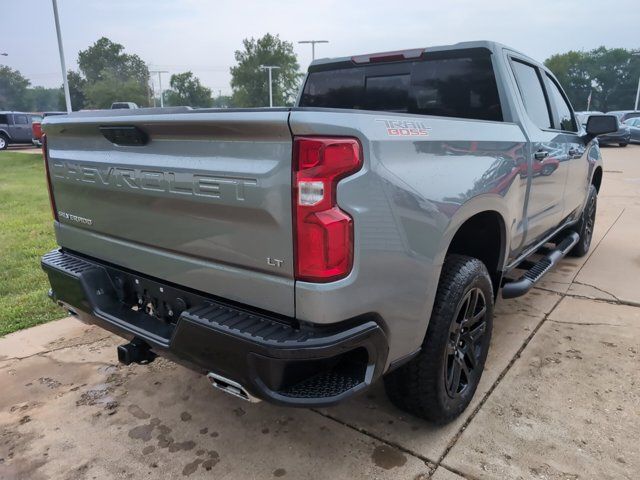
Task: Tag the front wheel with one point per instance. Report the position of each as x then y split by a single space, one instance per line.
585 226
4 143
439 383
623 144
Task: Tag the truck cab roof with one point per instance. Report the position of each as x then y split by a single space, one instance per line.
493 47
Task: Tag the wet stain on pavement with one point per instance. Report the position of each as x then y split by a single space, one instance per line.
176 447
143 432
388 457
212 461
190 468
148 449
279 472
185 416
137 412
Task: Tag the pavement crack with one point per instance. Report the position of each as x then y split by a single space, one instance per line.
597 245
626 303
588 323
596 288
44 352
430 463
497 382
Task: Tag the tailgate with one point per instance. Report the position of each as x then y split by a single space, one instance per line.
205 203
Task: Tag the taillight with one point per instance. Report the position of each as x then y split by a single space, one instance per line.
323 232
45 156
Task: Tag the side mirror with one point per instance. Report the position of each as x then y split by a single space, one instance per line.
601 124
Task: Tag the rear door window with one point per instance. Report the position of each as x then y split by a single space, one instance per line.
532 92
462 86
3 119
21 120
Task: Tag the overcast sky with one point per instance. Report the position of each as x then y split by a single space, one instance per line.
201 36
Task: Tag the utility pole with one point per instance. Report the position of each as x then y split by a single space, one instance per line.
269 68
67 96
313 46
160 72
637 54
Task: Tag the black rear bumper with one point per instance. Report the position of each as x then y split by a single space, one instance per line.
273 358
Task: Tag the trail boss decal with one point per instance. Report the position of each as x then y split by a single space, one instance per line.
405 128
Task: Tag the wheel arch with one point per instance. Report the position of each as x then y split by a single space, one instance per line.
480 233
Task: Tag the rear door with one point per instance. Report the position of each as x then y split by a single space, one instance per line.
547 153
205 203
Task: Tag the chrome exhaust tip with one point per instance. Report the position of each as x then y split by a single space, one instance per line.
231 387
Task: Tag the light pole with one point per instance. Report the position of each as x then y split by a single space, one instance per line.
313 46
160 72
269 68
637 54
65 83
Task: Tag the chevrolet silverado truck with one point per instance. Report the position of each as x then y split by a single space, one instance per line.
298 255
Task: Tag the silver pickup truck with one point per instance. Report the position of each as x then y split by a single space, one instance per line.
297 255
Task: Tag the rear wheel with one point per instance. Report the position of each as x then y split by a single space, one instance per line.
439 383
623 144
4 143
585 226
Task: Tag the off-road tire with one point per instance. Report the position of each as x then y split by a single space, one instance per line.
4 141
420 386
623 144
585 226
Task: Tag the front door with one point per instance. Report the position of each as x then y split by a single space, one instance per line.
547 154
573 149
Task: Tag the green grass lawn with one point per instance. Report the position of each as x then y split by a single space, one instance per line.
26 232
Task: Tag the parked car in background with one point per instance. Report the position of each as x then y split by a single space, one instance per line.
625 114
15 127
126 105
620 137
634 127
36 127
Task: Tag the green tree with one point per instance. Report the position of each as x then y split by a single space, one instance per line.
223 101
572 71
111 75
43 99
77 85
615 74
111 89
106 58
187 90
250 84
611 75
13 90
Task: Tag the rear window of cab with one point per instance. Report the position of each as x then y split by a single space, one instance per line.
457 86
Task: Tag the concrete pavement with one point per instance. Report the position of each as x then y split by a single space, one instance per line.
560 397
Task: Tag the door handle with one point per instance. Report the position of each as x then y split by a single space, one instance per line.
541 155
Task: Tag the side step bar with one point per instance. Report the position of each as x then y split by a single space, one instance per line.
533 275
